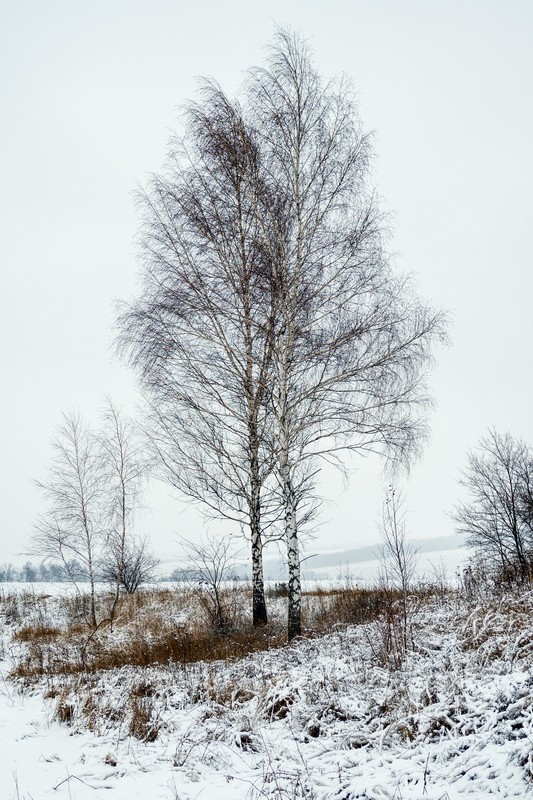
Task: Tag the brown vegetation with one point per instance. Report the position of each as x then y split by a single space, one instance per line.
37 633
347 606
161 626
173 626
153 627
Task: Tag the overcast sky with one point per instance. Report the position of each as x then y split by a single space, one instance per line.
89 93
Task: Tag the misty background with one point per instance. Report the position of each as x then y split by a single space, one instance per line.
89 96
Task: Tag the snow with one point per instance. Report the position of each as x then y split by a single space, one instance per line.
323 718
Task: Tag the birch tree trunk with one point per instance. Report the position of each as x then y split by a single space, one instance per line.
259 609
294 609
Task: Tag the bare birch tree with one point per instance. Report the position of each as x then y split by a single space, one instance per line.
351 339
72 529
198 334
272 331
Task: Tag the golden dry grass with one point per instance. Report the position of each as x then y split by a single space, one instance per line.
160 626
163 626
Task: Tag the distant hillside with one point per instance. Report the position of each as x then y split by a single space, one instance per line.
358 561
450 549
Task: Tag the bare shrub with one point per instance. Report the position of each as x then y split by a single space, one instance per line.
398 567
388 638
211 572
280 589
132 565
483 577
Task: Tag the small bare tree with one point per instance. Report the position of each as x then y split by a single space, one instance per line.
129 567
211 566
91 496
497 518
126 464
398 565
72 529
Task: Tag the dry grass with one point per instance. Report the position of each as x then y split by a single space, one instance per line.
143 724
69 655
160 626
171 626
37 633
325 608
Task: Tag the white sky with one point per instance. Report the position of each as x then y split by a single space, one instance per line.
89 94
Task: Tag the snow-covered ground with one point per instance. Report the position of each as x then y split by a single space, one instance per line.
323 718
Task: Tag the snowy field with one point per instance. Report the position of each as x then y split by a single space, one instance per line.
323 718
